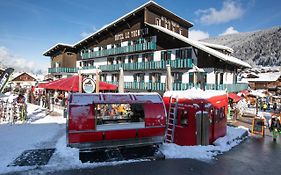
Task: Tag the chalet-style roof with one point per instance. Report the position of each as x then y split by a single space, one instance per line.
198 45
217 46
17 75
56 48
133 12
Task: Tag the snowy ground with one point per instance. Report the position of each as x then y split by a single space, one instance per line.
43 131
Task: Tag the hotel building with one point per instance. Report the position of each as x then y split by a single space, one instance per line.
143 42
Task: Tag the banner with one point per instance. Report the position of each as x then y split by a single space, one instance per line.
5 77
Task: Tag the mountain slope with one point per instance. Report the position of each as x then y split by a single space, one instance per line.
257 48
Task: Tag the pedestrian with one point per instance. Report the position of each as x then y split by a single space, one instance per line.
274 127
274 106
264 106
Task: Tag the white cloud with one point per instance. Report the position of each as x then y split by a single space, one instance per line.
229 30
229 11
198 34
8 59
86 34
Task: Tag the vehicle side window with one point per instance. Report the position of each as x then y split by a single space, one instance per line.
184 118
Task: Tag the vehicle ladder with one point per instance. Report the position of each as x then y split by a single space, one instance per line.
172 116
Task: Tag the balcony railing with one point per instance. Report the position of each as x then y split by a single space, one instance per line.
62 70
151 65
181 86
120 50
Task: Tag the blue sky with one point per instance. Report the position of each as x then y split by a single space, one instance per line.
29 27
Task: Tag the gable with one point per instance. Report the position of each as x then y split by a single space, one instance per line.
24 77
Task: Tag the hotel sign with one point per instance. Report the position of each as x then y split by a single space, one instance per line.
89 85
131 34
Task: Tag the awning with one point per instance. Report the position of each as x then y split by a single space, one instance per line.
234 97
72 84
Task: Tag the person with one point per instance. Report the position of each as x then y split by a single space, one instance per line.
264 107
22 107
274 127
274 106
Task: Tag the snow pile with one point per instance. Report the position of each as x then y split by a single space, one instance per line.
68 158
233 137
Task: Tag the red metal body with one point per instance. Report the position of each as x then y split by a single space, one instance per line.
215 107
84 130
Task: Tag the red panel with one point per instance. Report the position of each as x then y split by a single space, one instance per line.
154 114
85 137
151 132
185 136
121 134
81 118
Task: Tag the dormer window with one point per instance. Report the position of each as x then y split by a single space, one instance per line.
158 21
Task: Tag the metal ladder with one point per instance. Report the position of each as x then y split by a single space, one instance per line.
172 116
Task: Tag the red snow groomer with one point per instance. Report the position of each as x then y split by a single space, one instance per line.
195 117
113 120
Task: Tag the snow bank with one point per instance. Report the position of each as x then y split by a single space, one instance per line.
68 158
17 138
233 137
194 93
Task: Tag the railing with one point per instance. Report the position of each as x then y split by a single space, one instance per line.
119 50
62 70
176 64
182 86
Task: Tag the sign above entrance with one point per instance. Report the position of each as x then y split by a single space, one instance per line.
89 85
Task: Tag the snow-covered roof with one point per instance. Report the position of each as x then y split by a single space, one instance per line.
264 77
200 46
55 46
217 46
127 15
194 93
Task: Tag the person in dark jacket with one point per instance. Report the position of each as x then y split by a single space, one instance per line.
274 127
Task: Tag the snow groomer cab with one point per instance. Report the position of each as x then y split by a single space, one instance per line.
195 117
105 120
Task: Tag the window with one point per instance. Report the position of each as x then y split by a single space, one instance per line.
177 76
147 57
183 53
155 77
120 60
139 77
191 77
133 58
103 77
110 61
115 77
158 21
166 55
119 116
183 118
221 78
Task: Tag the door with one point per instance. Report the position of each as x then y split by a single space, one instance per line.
202 128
